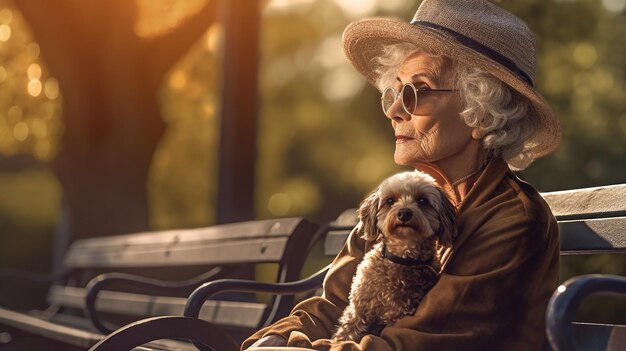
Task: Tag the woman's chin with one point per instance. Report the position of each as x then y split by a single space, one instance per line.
406 161
403 157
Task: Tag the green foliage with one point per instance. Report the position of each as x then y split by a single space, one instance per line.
581 74
182 177
30 103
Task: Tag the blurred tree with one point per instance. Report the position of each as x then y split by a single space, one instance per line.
110 77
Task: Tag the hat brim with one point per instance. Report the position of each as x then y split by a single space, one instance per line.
364 40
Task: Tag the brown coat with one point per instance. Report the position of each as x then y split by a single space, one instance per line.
493 291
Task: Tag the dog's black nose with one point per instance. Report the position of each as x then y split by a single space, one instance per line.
404 214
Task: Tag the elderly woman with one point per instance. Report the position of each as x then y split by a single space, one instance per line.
457 88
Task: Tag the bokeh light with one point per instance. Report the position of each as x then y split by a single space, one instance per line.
585 54
20 131
34 71
5 32
51 89
34 87
6 15
614 5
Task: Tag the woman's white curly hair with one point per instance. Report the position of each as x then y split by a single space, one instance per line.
489 104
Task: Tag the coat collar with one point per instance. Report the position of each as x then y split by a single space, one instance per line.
484 188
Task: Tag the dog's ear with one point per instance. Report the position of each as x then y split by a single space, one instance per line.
367 215
447 231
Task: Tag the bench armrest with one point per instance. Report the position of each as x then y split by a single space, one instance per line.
99 283
566 300
205 335
207 290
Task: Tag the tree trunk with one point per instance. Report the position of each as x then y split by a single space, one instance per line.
109 79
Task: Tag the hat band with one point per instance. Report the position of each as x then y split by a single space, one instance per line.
476 46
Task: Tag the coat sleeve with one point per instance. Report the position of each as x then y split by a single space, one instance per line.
476 304
317 317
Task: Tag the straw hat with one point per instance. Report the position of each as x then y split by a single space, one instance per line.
475 32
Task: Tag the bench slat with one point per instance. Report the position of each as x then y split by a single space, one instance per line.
182 254
595 337
247 242
229 313
334 241
593 236
74 336
604 201
48 329
577 236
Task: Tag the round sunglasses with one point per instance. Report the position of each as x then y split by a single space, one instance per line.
414 101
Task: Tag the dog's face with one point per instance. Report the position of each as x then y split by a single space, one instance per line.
410 207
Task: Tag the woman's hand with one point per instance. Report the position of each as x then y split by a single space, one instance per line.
270 340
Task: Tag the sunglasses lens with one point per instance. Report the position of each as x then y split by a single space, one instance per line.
409 98
388 98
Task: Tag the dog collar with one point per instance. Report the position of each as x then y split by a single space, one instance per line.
405 261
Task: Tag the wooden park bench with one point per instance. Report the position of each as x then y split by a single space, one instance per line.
592 221
92 268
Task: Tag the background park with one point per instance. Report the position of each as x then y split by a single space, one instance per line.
113 115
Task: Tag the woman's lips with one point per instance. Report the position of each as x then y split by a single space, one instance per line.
402 138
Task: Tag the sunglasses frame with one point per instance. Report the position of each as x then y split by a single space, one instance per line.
401 94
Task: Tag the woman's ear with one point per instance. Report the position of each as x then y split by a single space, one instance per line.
447 231
367 214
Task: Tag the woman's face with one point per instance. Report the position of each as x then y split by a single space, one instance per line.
440 133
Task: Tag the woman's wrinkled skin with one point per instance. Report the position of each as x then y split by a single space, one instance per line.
439 143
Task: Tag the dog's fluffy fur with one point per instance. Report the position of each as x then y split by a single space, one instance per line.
384 291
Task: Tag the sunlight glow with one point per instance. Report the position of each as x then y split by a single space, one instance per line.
51 89
34 71
330 53
585 54
279 204
34 87
160 16
178 80
5 32
215 38
20 131
287 5
398 6
6 16
615 6
341 83
357 9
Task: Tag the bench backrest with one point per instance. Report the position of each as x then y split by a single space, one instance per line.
279 241
591 221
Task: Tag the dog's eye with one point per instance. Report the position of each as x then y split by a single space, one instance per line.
390 201
421 201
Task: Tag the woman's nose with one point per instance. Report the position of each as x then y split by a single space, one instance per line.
397 113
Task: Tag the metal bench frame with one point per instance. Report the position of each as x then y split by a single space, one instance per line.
216 249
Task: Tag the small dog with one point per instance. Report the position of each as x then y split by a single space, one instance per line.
409 217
